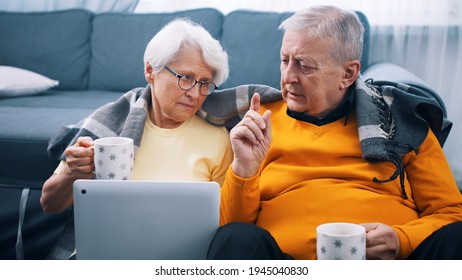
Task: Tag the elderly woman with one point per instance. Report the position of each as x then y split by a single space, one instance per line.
183 64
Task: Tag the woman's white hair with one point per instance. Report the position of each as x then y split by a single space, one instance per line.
342 26
183 33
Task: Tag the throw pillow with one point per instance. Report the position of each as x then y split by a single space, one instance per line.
16 81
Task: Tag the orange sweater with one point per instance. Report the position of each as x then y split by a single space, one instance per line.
315 174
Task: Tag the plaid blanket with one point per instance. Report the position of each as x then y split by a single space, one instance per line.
393 118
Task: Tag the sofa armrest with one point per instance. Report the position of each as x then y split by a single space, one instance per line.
384 71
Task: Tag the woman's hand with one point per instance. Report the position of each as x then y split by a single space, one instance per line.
80 159
57 190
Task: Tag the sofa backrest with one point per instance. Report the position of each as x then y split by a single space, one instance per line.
253 42
105 51
119 40
251 38
55 44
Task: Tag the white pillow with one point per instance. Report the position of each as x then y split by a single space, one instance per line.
16 81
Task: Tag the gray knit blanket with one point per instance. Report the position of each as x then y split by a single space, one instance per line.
393 118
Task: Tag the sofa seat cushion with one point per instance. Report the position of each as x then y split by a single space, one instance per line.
28 122
24 139
53 44
86 99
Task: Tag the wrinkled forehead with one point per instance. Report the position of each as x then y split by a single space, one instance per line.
301 42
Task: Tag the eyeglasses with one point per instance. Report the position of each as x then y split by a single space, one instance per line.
188 82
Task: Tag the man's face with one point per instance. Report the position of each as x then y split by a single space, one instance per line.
310 78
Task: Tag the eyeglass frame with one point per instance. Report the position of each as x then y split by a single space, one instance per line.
179 76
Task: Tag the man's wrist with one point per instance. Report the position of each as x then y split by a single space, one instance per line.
243 171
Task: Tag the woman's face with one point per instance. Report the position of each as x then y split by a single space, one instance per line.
171 105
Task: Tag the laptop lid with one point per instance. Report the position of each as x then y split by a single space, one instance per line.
144 219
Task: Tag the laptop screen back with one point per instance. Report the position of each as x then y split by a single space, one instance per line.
145 220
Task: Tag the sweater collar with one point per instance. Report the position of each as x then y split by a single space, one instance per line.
342 110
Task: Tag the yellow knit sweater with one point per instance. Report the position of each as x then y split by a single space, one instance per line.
315 174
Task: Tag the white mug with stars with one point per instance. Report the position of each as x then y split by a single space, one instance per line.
113 158
341 241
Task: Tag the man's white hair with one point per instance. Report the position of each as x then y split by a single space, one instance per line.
342 26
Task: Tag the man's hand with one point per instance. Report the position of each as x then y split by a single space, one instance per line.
382 242
250 140
80 159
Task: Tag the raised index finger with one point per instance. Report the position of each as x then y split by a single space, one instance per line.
255 102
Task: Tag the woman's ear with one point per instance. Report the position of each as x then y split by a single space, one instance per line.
148 73
351 72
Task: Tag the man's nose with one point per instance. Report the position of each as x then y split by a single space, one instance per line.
290 73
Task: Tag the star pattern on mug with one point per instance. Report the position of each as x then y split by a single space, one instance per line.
353 250
334 247
116 161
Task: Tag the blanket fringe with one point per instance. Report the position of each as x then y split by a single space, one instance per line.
399 171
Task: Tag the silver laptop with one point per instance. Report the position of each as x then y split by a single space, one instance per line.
144 220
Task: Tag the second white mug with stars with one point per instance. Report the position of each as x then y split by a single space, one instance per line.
113 158
341 241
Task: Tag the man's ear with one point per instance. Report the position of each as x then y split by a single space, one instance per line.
148 73
351 72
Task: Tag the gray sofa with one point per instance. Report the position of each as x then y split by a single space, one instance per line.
96 58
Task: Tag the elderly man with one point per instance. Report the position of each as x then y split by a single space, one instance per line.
307 160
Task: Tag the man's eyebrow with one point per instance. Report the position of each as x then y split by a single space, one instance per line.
308 59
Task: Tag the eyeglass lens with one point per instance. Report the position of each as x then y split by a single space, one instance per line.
187 82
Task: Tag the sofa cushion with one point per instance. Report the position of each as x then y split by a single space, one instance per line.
16 81
25 160
119 40
253 42
54 44
86 99
38 118
366 42
254 55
